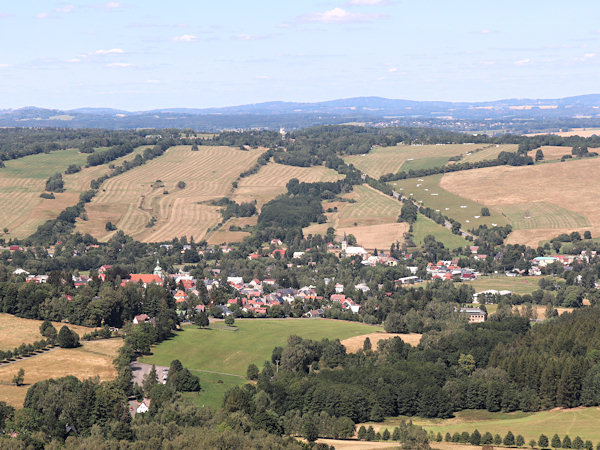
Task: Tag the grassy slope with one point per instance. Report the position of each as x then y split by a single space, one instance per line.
449 204
230 352
574 422
424 226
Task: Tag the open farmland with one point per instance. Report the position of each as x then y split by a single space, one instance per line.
372 218
383 160
551 153
133 198
424 226
93 358
21 183
15 331
452 203
560 197
356 343
271 179
489 152
517 285
581 422
219 354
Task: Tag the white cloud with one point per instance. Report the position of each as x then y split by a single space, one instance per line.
42 15
152 81
186 38
522 62
589 55
65 9
339 15
74 60
6 15
248 37
4 66
112 5
393 69
119 65
485 31
262 77
108 52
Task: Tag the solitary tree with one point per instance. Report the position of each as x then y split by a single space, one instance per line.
19 377
201 319
67 338
229 321
252 372
367 344
539 155
485 211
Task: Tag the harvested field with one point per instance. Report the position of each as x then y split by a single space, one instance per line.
551 153
450 202
271 179
93 358
540 310
382 160
369 215
355 343
15 331
132 199
569 190
534 215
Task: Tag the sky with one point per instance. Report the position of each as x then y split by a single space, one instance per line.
140 55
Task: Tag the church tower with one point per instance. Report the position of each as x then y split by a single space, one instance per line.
158 270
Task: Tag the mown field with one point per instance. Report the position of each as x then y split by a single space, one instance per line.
452 203
93 358
23 180
553 198
372 218
230 352
517 285
382 160
130 200
424 226
271 179
581 422
551 152
15 331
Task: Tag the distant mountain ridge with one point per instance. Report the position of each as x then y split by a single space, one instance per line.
298 114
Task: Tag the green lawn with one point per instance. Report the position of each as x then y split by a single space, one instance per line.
230 352
581 422
424 226
43 165
517 285
428 191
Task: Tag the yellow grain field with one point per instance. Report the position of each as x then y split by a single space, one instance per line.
133 198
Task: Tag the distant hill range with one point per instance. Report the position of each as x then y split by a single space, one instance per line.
584 110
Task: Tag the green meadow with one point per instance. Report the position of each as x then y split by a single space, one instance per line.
220 354
424 226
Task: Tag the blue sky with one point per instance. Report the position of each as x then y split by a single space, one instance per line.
148 54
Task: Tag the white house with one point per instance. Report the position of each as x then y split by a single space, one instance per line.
143 407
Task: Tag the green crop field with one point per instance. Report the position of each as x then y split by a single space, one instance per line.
532 215
581 422
428 191
230 352
424 163
42 165
424 226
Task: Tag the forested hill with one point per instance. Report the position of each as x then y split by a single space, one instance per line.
375 110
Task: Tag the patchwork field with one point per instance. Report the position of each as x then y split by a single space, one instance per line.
225 355
132 199
15 331
581 422
271 179
383 160
372 218
557 198
424 226
450 202
93 358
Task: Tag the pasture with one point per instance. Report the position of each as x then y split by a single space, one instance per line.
581 422
218 353
271 179
15 331
93 358
566 193
450 202
551 152
424 226
383 160
133 198
517 285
